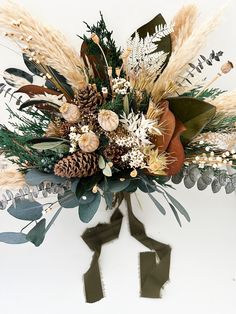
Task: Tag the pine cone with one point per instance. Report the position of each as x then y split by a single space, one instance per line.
113 153
77 165
65 128
89 100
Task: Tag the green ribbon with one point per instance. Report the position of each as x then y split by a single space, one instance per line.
95 238
154 266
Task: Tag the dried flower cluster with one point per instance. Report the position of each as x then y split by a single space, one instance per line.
119 115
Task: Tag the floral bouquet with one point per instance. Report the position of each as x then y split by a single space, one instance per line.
105 122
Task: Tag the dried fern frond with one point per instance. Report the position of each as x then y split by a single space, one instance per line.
225 103
179 61
184 23
47 46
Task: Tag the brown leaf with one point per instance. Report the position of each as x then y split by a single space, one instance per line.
176 150
96 61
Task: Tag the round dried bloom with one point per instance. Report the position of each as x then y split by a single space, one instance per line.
108 120
88 142
70 112
227 67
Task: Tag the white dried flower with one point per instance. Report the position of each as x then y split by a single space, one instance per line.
139 127
85 128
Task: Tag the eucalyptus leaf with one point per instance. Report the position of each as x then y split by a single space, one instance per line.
215 186
229 188
13 237
188 182
101 162
201 184
26 210
108 198
175 214
37 234
88 197
193 113
179 207
87 211
34 177
46 145
177 179
107 171
158 205
116 186
68 200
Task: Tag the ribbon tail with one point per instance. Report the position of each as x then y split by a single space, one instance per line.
154 266
95 237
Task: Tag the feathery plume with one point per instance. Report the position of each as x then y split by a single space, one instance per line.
166 84
184 23
225 103
45 45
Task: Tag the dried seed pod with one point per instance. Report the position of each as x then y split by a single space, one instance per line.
88 142
108 120
70 112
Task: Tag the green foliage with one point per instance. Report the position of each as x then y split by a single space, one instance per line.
15 145
208 93
115 105
221 123
30 123
106 41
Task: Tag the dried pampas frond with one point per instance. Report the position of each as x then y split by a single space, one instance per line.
225 103
10 177
46 46
184 23
166 85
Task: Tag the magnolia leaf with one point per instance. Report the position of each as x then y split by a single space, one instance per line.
107 171
116 186
37 234
101 162
87 211
35 177
68 200
13 237
193 113
26 210
15 77
150 28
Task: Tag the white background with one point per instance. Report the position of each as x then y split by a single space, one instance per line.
48 279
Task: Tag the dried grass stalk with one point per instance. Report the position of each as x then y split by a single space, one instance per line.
43 43
225 103
184 23
166 85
